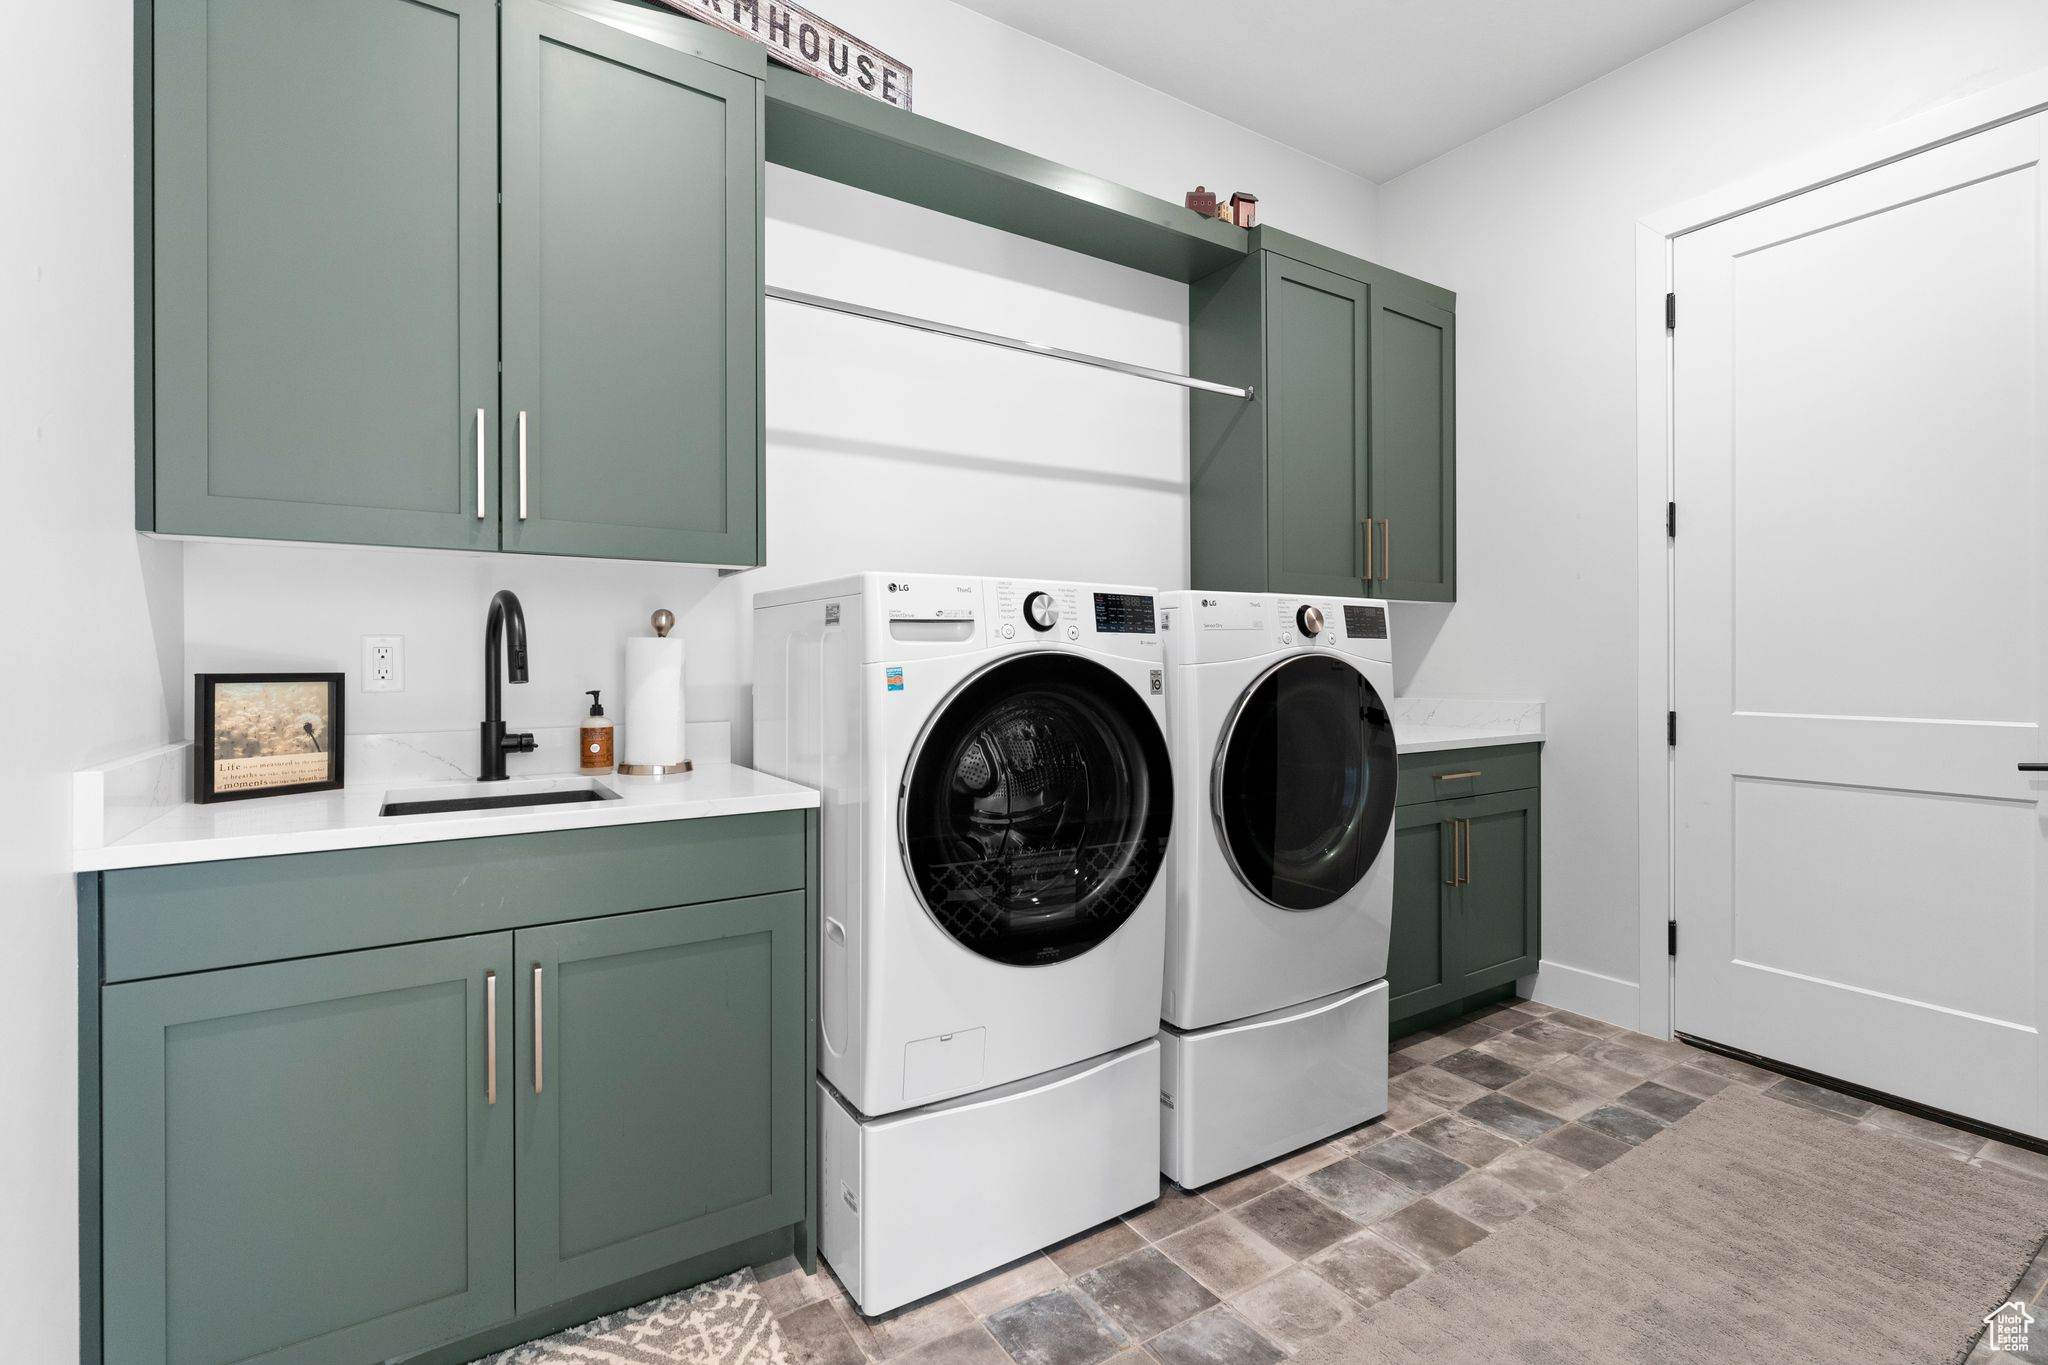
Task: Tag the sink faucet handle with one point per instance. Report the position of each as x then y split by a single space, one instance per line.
521 743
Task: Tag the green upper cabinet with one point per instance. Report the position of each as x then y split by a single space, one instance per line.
1413 497
309 1161
323 307
631 420
321 300
1339 476
661 1088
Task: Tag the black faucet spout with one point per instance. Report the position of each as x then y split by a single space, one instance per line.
504 639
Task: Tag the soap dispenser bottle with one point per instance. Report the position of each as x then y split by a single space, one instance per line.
595 747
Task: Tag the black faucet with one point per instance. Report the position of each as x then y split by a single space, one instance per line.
505 612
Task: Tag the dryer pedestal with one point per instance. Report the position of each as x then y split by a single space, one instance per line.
915 1201
1241 1093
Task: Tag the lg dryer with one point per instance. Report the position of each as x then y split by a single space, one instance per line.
1275 1003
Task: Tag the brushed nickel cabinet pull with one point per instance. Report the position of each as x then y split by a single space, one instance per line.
1386 549
1453 777
538 983
522 466
490 1037
1365 525
479 464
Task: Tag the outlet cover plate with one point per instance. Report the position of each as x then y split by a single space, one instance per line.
383 663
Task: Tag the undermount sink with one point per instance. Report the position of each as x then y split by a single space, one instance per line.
482 798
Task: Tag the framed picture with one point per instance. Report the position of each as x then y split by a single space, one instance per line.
266 734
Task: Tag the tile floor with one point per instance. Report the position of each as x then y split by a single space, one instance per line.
1488 1116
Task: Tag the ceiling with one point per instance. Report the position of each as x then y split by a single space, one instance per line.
1375 86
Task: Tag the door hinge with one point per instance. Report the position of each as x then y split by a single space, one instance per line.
1671 938
1671 521
1671 312
1671 729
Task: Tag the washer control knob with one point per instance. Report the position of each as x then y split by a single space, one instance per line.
1310 619
1040 611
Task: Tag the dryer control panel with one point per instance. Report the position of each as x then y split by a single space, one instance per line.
1120 620
1210 626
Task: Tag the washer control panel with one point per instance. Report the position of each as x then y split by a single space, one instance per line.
1028 612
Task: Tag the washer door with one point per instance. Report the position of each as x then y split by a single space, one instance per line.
1303 786
1035 808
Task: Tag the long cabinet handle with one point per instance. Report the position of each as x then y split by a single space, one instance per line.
1453 777
539 984
1365 525
479 464
491 1037
522 465
1386 550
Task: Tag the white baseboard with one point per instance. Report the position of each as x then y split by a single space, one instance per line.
1590 993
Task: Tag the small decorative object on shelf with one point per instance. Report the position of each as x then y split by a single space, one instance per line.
803 42
1245 209
1202 200
265 734
1226 214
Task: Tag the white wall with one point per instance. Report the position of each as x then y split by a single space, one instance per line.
89 613
887 449
1533 226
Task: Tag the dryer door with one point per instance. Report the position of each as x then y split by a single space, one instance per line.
1303 786
1034 810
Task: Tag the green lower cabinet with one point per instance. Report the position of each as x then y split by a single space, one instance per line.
309 1161
1467 886
661 1089
1419 954
1495 931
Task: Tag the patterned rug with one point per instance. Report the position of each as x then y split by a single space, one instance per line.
722 1322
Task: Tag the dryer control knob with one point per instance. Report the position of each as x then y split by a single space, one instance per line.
1310 619
1040 611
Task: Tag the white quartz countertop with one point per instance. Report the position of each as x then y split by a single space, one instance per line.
320 821
1425 725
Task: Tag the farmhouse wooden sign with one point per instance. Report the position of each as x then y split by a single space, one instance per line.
798 38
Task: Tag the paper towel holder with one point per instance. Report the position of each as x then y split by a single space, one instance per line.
663 622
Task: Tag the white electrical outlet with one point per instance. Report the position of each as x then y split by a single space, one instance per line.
383 663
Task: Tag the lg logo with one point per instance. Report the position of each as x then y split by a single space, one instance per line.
899 587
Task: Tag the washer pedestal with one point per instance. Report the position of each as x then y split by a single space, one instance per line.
1237 1094
974 1183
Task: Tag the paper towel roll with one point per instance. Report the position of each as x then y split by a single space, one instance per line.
654 702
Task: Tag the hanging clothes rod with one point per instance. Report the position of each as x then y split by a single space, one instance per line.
861 310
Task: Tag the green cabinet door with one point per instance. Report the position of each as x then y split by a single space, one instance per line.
631 418
318 272
1414 501
1420 954
1495 914
661 1089
1316 429
305 1162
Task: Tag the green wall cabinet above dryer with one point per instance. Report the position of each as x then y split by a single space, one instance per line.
324 306
1339 476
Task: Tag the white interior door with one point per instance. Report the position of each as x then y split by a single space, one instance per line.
1858 463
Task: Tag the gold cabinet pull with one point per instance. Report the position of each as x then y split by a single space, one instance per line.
1386 550
522 466
1453 777
538 984
490 1037
1365 525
